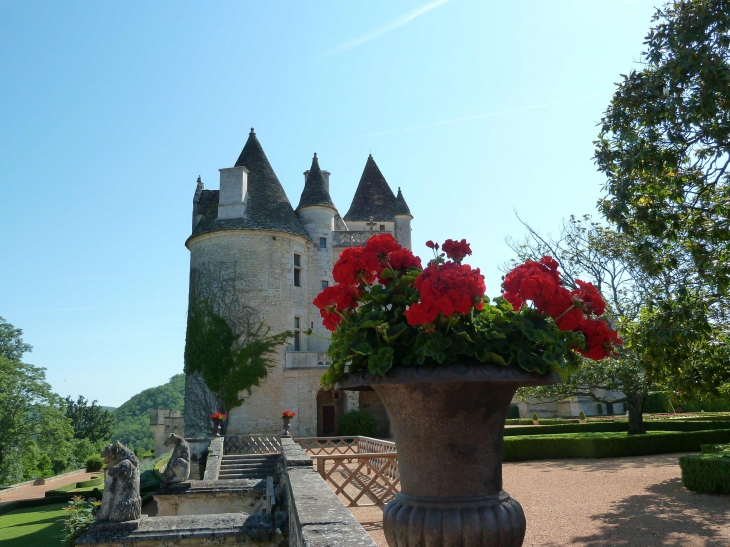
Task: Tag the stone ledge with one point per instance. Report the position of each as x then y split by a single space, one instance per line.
293 454
244 528
318 515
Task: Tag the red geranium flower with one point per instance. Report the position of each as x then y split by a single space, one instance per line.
288 414
446 289
456 250
588 295
334 299
600 339
218 416
431 245
355 264
382 244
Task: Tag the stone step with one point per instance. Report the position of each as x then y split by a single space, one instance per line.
229 470
233 476
239 457
248 465
247 462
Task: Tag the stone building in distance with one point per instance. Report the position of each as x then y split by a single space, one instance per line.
257 259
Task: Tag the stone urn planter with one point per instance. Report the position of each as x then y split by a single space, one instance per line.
448 424
287 425
217 427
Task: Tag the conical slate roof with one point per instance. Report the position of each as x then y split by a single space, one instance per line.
315 191
267 207
401 207
373 197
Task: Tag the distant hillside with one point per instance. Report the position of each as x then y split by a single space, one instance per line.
133 418
109 408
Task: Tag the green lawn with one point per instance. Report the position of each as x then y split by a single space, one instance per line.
34 527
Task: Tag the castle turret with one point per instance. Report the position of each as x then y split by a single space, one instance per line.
403 217
316 211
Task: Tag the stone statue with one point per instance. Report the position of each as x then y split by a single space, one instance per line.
121 500
178 468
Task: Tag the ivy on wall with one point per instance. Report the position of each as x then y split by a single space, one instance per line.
229 363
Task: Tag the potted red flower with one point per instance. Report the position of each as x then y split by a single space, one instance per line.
286 416
431 344
218 419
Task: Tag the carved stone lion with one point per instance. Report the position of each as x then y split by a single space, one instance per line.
178 468
121 500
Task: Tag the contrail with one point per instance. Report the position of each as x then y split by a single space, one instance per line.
377 33
510 111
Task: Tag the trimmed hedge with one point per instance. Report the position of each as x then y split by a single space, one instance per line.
607 445
708 473
542 421
615 427
358 422
9 506
94 481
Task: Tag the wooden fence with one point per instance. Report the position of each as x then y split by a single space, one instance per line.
357 468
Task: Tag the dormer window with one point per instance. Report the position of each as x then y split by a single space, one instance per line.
322 242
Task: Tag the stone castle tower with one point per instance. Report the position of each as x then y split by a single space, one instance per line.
256 259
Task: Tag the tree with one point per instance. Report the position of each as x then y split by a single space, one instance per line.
589 251
664 147
35 435
89 421
11 342
664 144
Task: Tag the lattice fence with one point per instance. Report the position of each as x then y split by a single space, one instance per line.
252 444
329 445
369 476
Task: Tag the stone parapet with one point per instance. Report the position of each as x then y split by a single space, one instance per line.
208 497
213 461
317 517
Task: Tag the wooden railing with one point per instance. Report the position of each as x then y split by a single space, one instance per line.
252 444
356 467
355 477
329 445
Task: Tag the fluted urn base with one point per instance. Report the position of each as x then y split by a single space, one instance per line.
448 424
481 521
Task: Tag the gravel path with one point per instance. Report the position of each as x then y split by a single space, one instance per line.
621 502
30 491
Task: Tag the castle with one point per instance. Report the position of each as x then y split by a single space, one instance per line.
256 259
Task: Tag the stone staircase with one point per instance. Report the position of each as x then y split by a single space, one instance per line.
247 466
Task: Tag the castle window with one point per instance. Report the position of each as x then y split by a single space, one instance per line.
382 227
325 284
297 270
297 334
322 242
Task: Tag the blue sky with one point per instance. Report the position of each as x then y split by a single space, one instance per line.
110 111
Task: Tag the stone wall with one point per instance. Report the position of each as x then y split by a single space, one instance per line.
317 517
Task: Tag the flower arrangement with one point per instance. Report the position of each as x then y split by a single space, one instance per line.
218 416
387 309
288 414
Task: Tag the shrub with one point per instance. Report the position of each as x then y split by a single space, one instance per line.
534 416
358 422
656 403
708 473
94 463
607 445
582 416
513 412
79 518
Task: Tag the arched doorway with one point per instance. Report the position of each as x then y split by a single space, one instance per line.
330 408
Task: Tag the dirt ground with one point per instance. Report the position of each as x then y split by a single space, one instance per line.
621 502
30 491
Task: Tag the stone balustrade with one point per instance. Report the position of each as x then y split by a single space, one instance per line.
306 359
353 238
